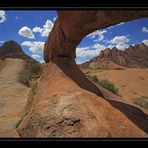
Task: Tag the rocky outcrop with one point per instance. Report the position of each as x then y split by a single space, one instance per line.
102 63
68 31
62 109
66 104
133 57
12 49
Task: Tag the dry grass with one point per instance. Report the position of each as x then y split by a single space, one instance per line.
142 102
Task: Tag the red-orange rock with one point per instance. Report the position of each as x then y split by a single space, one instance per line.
62 109
68 31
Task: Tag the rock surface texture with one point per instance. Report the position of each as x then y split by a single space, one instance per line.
62 109
66 104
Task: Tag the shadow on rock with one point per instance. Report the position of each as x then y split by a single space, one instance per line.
136 115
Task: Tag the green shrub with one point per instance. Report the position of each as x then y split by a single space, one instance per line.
32 71
108 85
104 83
142 102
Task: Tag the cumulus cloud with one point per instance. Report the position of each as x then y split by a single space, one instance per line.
145 29
47 28
34 47
85 52
26 32
89 52
37 29
119 40
98 47
44 31
2 16
35 56
99 34
122 46
99 38
145 42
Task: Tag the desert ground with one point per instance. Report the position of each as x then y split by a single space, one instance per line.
132 83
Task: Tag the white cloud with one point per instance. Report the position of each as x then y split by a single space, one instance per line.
144 29
98 47
99 39
26 32
34 47
145 42
122 46
87 52
96 33
2 16
44 31
119 40
35 56
47 28
37 29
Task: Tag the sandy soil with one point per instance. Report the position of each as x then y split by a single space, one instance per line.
13 96
132 83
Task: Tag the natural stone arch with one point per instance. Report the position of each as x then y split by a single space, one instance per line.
68 31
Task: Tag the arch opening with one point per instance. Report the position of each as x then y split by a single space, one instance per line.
68 31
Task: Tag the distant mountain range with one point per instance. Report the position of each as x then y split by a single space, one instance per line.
12 49
133 57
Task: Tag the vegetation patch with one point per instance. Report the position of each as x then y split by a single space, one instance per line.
142 101
29 77
104 83
18 123
32 71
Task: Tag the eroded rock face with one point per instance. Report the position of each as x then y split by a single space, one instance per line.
62 109
70 28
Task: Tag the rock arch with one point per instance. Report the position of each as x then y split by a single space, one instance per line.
68 31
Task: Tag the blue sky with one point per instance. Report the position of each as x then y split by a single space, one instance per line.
31 28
